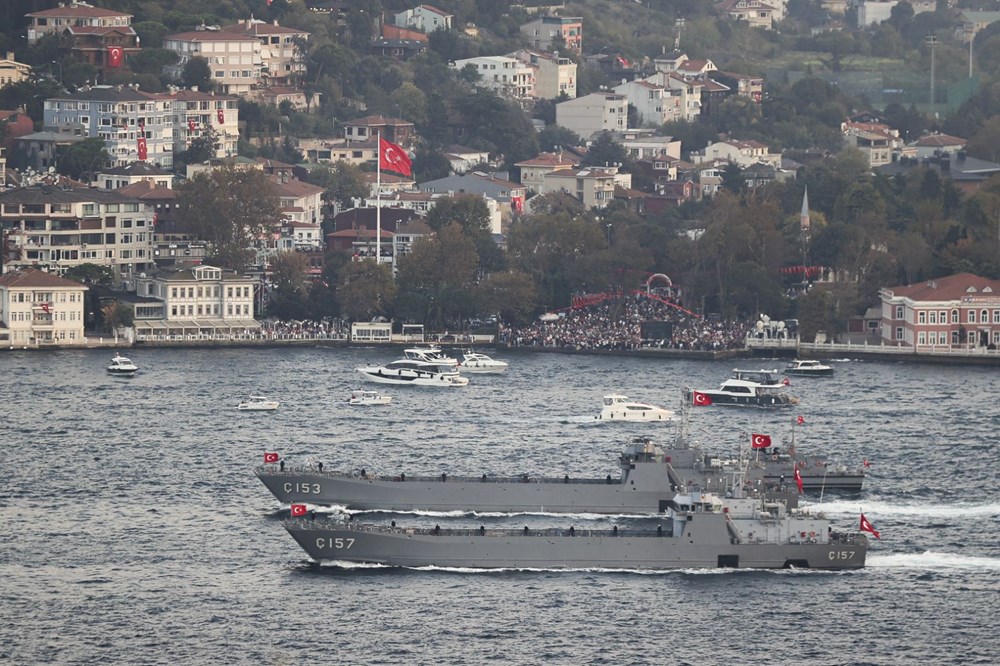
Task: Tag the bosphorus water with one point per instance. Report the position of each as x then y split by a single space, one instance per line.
134 532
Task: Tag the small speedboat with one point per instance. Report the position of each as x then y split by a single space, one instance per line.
258 403
122 366
623 408
808 368
481 363
365 398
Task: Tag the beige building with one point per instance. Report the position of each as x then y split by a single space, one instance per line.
235 60
202 293
593 113
554 75
74 15
55 228
282 60
12 71
594 188
39 308
533 171
193 111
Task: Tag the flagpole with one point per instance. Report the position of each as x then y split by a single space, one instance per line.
378 197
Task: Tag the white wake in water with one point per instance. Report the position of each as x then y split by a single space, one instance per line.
874 508
932 560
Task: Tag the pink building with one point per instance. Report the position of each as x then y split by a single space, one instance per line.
961 311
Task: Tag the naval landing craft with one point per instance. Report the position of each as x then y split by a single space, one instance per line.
650 476
699 530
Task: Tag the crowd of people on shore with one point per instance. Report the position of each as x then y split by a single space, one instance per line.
327 329
615 324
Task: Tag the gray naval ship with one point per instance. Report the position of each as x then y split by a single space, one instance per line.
699 530
650 476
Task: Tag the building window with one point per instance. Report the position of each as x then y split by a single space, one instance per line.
899 332
954 337
921 317
954 316
996 316
942 338
921 338
984 316
971 316
933 316
943 317
899 312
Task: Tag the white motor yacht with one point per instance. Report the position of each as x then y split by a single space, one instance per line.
361 397
808 368
122 366
257 403
409 372
481 363
430 354
623 408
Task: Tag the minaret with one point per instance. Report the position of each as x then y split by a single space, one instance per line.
804 234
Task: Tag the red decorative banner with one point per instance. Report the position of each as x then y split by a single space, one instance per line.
222 116
191 126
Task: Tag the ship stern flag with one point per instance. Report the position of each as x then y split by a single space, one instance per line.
298 510
760 441
270 458
867 527
798 479
699 399
392 157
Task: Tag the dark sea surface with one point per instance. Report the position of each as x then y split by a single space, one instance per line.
132 529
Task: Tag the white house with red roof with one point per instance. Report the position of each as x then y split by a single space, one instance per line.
425 18
234 59
877 141
930 145
534 170
40 308
300 201
961 310
75 15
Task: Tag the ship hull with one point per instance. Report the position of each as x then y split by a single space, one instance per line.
556 549
464 494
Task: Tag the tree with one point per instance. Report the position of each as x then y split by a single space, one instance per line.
344 182
90 274
605 151
117 315
436 278
230 208
202 148
82 159
512 295
366 289
197 72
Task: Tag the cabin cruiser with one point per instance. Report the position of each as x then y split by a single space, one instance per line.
744 392
481 364
623 408
257 403
808 368
430 354
411 372
122 366
363 397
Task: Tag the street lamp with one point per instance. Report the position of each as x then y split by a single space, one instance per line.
609 234
56 62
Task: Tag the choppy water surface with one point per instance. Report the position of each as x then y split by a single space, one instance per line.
134 532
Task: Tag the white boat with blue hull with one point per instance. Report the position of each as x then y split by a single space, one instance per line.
699 530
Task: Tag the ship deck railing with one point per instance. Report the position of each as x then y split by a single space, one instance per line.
571 531
402 477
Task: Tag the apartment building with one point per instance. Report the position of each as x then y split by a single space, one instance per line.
282 58
594 113
39 308
508 77
234 59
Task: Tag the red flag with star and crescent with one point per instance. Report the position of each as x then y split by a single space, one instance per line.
142 147
298 509
760 441
191 126
699 399
270 458
798 479
115 56
221 116
867 527
392 157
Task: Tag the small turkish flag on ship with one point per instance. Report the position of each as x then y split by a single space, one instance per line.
270 458
760 441
298 509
